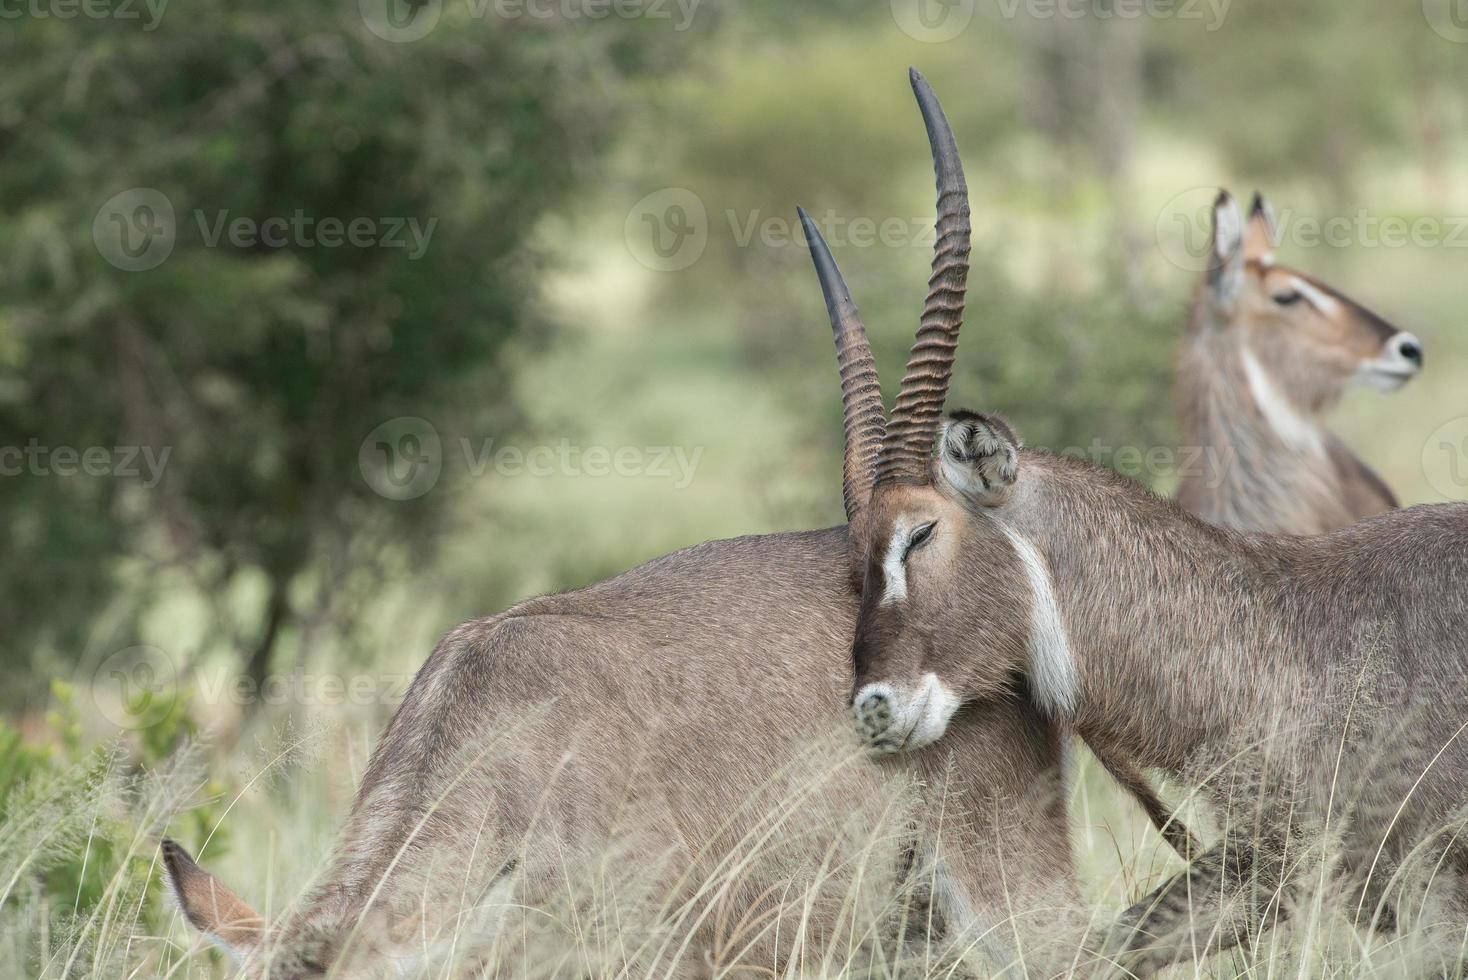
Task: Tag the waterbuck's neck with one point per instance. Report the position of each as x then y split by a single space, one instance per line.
1262 460
1174 629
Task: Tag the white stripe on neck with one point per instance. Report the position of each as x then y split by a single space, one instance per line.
1294 429
1052 665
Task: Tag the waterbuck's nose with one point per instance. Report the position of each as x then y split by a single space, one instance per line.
873 714
1406 347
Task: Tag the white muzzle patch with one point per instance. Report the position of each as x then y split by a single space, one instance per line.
893 719
1395 367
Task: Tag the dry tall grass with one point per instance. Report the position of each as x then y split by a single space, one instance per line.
609 920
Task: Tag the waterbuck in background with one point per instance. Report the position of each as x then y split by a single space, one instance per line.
1313 686
674 725
1269 351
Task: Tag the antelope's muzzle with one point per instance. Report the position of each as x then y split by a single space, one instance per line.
895 719
1400 361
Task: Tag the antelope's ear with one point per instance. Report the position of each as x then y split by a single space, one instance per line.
209 906
1226 254
1262 236
978 457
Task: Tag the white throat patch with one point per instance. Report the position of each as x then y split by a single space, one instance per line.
1052 665
1297 432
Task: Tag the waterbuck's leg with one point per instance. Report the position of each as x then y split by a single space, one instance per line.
1224 899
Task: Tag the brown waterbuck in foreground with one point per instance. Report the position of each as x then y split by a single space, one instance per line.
1313 685
680 729
1269 351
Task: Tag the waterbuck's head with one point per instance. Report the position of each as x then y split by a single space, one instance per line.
1312 342
940 576
946 611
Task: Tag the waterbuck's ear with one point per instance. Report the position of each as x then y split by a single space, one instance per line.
1226 256
1262 237
209 906
978 457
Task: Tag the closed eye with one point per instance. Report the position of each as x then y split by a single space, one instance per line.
1288 299
918 538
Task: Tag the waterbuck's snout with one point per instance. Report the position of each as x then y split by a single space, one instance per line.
1400 361
892 718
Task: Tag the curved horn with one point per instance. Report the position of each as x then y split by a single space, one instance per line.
909 439
861 393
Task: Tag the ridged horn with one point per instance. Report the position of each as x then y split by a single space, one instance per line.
861 393
910 431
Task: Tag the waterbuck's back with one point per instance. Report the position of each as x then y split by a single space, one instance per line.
687 715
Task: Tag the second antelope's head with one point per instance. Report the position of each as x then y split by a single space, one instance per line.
1311 341
948 593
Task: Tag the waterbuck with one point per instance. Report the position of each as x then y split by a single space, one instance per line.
1317 681
661 725
1313 685
1269 350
